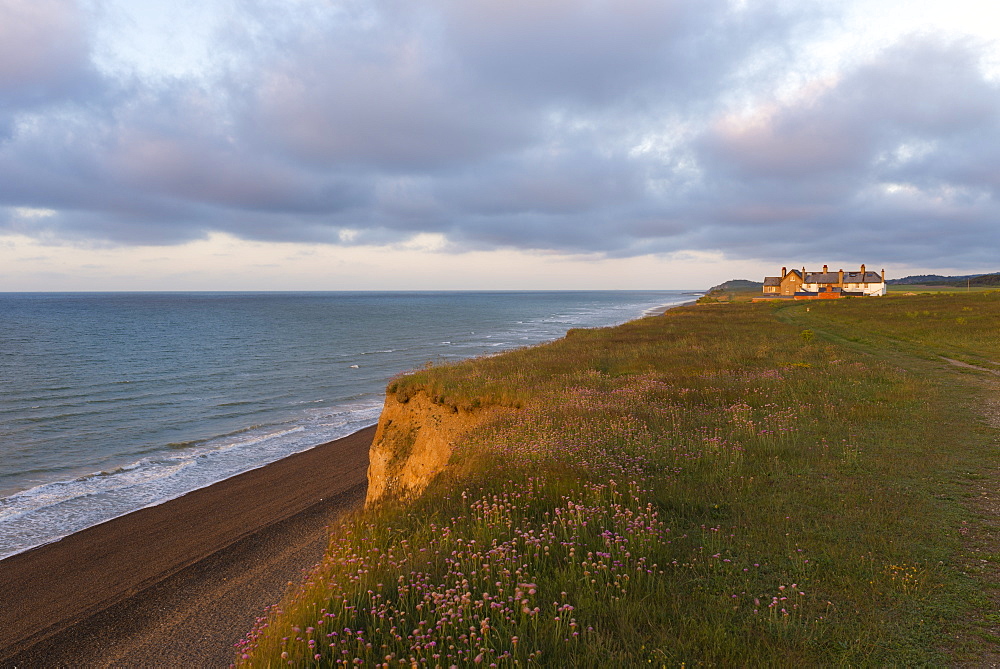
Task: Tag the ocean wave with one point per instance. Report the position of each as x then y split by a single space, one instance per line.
179 445
50 511
661 308
51 495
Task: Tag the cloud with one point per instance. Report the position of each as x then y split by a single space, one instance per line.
901 144
916 91
622 129
44 52
566 52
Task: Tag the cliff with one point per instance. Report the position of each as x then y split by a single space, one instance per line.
414 441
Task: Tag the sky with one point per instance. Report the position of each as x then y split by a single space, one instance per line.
493 144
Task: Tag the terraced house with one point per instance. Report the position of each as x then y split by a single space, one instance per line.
803 285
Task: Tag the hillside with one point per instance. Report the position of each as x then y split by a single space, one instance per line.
984 280
938 280
738 285
728 485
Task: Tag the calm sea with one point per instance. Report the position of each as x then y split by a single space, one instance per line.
111 402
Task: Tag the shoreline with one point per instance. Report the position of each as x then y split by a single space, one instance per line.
138 462
165 500
664 308
97 596
86 587
65 497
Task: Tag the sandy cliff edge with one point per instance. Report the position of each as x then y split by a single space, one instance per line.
413 442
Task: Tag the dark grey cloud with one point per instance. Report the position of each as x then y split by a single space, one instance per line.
593 53
620 128
572 182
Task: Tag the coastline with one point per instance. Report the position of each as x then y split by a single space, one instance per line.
664 308
80 595
164 435
113 593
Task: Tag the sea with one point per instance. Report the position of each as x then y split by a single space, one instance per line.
112 402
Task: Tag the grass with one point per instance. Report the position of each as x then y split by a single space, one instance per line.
709 487
925 289
961 325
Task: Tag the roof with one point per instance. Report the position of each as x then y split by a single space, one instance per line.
772 280
849 277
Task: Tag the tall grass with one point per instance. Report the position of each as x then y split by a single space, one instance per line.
706 487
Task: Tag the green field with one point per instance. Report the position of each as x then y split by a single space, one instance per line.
728 484
924 290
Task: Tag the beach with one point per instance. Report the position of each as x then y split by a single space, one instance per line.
181 582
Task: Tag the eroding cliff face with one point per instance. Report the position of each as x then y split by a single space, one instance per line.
413 442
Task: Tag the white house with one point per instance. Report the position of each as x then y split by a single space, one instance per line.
866 283
825 284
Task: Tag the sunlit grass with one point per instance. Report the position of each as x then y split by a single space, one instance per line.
960 325
706 487
910 289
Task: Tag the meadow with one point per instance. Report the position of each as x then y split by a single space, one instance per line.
727 484
922 289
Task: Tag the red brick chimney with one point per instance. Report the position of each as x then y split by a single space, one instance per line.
783 272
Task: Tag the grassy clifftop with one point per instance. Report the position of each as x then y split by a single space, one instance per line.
740 484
